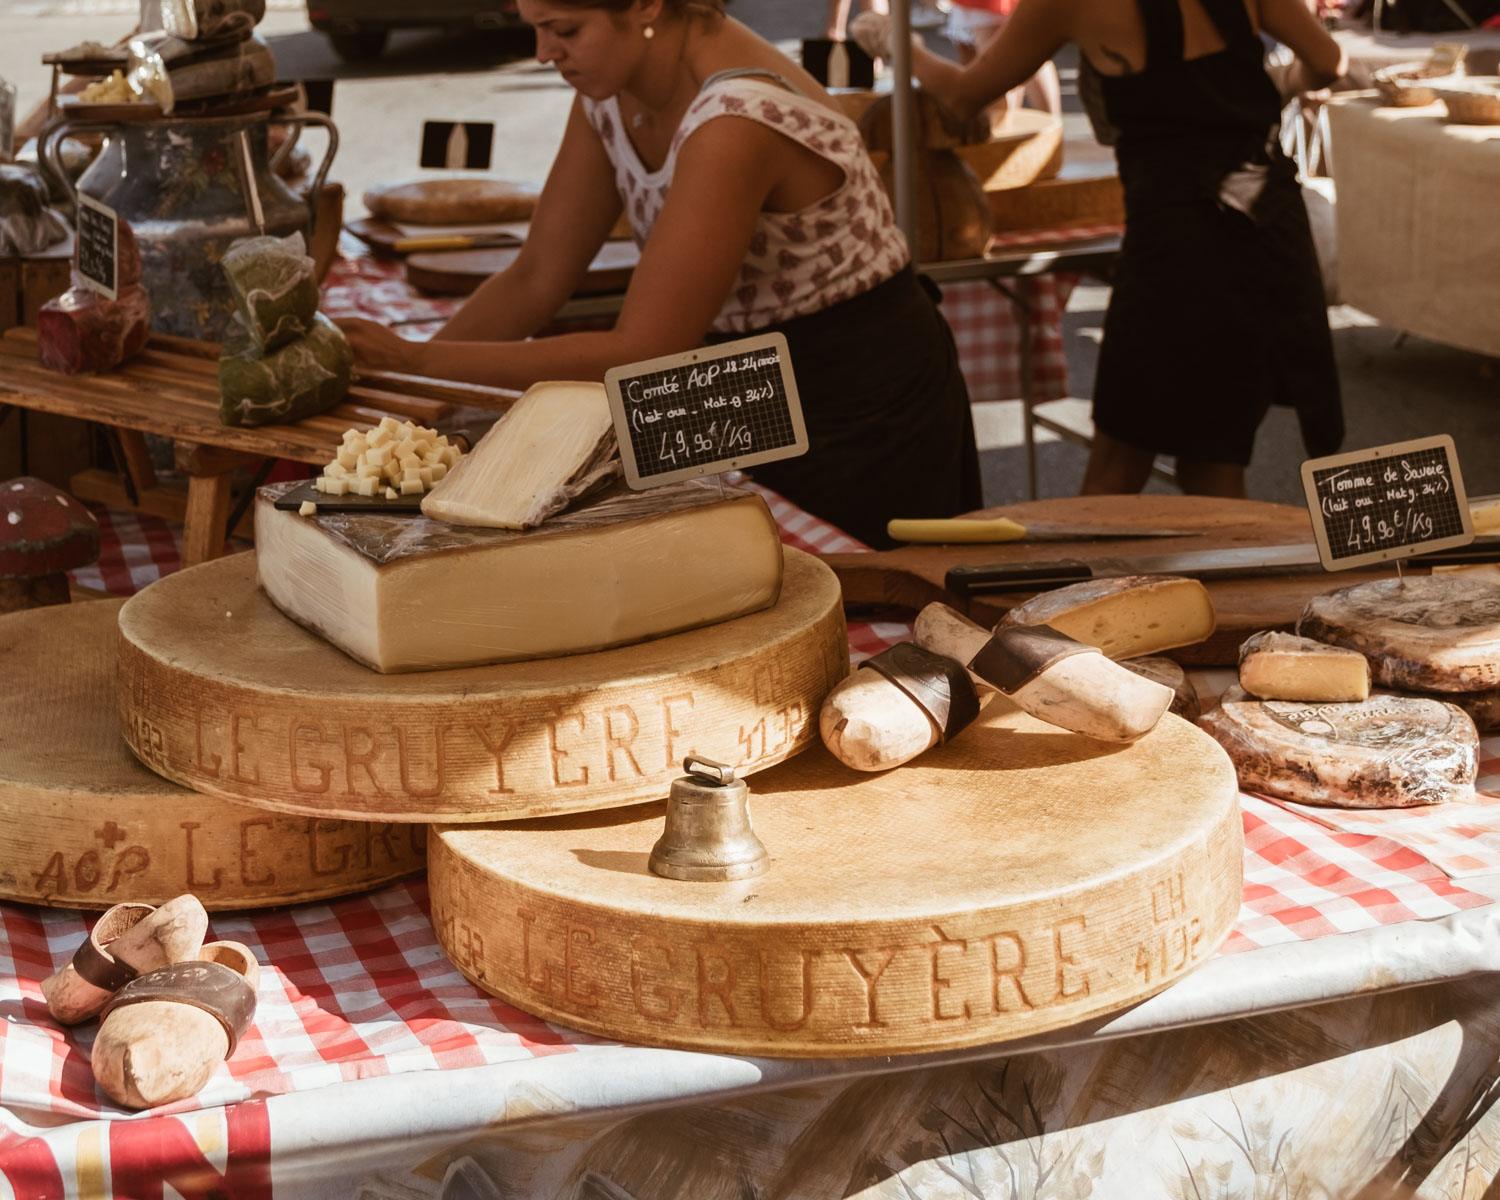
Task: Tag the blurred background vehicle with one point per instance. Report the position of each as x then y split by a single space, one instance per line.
359 29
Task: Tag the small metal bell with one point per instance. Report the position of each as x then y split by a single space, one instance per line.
708 836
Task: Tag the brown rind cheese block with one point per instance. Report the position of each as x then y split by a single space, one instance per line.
222 693
84 825
1012 881
1283 666
452 201
1125 617
1387 752
1433 633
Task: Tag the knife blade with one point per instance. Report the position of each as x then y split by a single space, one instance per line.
1290 559
424 245
959 530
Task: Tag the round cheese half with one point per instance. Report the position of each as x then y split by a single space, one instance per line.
1437 633
1384 752
452 201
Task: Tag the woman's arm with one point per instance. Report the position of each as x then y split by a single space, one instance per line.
1320 59
1036 31
577 208
724 173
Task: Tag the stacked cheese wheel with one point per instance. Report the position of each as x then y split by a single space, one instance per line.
395 458
1304 724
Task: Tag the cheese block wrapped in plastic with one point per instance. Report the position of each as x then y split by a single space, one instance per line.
554 446
82 331
275 288
27 225
406 593
309 376
172 70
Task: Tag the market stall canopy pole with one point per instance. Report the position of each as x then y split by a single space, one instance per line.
903 135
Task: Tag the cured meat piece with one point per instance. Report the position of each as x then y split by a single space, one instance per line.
81 331
1434 633
1386 752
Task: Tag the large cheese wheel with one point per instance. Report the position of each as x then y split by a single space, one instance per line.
1385 752
84 825
1436 633
452 201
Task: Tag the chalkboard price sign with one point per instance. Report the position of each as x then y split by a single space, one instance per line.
1389 502
98 246
716 409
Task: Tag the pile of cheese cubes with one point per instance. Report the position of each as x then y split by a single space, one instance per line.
395 458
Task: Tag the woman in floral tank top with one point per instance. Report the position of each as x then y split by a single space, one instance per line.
756 209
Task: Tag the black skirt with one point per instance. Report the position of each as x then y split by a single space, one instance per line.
887 411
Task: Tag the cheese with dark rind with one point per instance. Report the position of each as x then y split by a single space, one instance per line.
1284 666
1126 617
1165 671
408 593
1483 707
1437 633
1386 752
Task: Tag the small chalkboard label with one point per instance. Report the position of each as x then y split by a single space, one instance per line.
98 246
717 409
458 145
1388 502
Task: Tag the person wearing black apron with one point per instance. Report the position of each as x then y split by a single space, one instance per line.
1217 310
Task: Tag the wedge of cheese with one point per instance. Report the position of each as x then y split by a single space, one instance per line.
1283 666
1435 633
1386 752
405 593
555 445
1126 617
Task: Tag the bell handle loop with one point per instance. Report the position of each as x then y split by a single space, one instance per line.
706 770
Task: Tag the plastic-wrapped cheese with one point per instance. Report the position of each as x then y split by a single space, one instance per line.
275 288
82 331
300 380
407 593
1385 752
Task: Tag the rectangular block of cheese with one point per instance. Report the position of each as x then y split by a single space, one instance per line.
556 444
1125 617
406 593
1283 666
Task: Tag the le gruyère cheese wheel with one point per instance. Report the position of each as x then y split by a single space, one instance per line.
1386 752
452 201
1437 633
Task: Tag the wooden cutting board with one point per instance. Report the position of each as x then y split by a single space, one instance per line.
912 576
84 825
1017 880
459 272
222 693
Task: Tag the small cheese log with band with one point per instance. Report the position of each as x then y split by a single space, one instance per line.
901 702
127 940
165 1032
1050 675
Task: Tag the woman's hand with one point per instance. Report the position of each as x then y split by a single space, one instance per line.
377 348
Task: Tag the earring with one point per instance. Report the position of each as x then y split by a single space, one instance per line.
649 32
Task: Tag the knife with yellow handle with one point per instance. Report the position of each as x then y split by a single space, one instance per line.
992 530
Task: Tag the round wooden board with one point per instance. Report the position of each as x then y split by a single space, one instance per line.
222 693
1016 880
83 825
912 576
459 272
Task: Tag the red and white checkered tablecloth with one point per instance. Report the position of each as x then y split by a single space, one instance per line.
359 987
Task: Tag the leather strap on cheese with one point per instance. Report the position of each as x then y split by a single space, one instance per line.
93 961
1017 654
938 685
219 991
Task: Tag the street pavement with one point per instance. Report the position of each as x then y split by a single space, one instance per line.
1393 388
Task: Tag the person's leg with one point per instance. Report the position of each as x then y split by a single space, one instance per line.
1115 468
838 14
1197 477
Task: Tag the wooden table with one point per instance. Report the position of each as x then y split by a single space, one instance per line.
171 390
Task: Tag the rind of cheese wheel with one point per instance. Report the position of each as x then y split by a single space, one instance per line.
1081 690
1165 671
1437 633
1283 666
404 593
452 201
1387 752
1483 707
555 445
1127 617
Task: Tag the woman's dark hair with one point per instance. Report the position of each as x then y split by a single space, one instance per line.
683 8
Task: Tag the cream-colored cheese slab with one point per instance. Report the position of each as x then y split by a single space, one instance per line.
405 593
1284 666
1125 617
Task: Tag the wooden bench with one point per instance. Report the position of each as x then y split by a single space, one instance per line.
171 389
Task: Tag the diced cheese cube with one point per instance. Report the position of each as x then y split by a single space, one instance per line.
321 483
379 437
366 487
368 470
411 473
390 493
389 424
438 470
450 455
425 475
379 455
337 487
306 509
411 487
347 459
405 447
336 471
